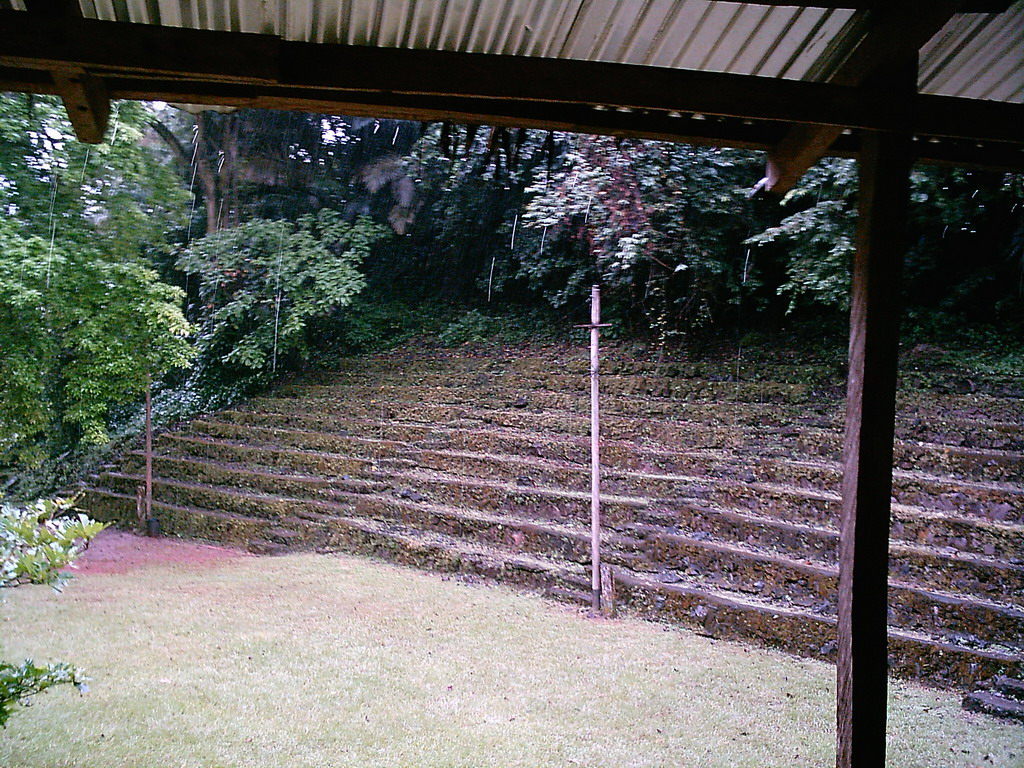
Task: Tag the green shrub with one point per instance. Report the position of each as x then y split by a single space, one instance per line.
37 541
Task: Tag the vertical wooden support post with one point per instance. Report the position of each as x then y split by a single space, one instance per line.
595 449
868 450
149 450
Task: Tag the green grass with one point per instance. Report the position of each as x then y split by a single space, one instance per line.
312 660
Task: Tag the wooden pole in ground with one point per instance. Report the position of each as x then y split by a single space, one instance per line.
595 327
862 667
149 449
595 449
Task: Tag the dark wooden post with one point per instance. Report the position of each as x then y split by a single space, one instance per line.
867 451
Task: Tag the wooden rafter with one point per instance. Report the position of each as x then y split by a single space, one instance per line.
86 101
880 41
197 66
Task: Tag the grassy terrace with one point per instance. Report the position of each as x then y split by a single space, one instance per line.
208 657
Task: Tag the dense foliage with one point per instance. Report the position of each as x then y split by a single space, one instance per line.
37 541
261 284
85 318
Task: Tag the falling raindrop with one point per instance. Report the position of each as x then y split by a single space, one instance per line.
85 164
395 137
117 124
53 228
490 278
192 207
277 301
515 222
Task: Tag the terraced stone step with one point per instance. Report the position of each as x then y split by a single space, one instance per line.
265 455
916 526
367 448
977 463
997 501
774 501
175 519
430 549
992 500
558 391
814 587
780 504
545 539
390 541
245 476
573 362
702 474
805 634
503 509
813 508
1010 687
613 384
628 396
721 495
556 413
995 705
685 424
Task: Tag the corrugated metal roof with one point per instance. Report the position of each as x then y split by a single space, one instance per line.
978 56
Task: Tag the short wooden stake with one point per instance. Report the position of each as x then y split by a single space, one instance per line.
607 591
149 449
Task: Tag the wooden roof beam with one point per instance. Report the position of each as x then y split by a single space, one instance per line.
883 40
86 101
198 59
85 97
142 62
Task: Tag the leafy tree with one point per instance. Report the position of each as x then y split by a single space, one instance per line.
37 541
87 318
660 225
82 333
819 236
262 283
454 200
267 164
965 243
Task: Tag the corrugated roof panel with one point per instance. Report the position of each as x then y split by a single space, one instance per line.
636 37
962 37
616 28
703 37
981 71
977 56
825 29
583 31
974 56
998 81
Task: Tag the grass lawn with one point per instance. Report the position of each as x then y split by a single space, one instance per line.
311 660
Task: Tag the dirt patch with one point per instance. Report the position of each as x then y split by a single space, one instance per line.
116 551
